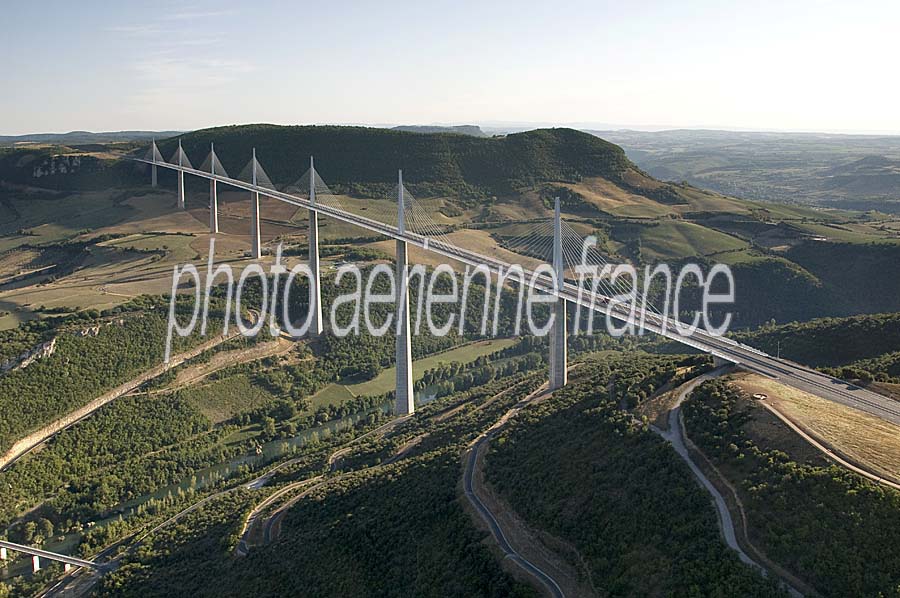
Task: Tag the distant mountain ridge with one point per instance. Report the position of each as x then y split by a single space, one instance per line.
86 137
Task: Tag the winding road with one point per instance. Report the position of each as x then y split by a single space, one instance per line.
677 436
271 525
475 452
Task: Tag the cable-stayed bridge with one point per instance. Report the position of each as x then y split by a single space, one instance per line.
553 243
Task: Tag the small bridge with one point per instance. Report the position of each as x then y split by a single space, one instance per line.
37 554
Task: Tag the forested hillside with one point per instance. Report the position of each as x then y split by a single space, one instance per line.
387 529
859 347
592 475
83 367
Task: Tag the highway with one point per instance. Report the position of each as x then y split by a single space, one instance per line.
787 372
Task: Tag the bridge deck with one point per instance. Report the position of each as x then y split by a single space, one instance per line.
46 554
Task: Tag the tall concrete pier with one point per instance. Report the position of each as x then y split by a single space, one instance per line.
213 193
558 350
154 152
180 178
405 395
315 290
255 245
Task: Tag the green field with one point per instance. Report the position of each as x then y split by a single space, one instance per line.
221 399
384 382
849 233
675 239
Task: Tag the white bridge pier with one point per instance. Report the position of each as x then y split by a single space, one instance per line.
255 248
558 336
180 178
213 192
404 393
315 288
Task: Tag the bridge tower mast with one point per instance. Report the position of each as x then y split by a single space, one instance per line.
558 374
153 152
255 249
315 288
404 393
180 177
213 192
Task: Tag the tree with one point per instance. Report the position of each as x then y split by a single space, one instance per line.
45 527
28 531
269 427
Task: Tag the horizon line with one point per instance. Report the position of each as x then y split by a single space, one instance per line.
511 126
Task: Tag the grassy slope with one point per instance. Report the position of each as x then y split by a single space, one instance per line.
862 438
221 399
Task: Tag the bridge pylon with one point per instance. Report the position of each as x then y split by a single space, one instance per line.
180 178
315 287
154 151
213 193
255 245
558 334
405 404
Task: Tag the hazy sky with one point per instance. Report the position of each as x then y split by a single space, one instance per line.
806 65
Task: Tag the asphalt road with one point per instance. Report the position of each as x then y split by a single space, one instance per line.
675 435
489 518
497 531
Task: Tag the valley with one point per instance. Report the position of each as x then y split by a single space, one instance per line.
856 172
273 465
